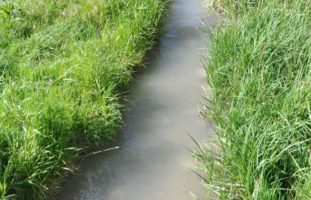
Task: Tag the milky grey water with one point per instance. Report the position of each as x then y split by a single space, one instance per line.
154 161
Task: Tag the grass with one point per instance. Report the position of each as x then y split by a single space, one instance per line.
259 73
63 65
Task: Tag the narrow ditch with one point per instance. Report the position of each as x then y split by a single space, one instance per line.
153 161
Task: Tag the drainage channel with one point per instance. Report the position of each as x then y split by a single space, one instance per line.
153 161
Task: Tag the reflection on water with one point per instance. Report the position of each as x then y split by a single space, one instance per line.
154 161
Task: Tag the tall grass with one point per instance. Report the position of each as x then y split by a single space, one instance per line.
62 66
259 72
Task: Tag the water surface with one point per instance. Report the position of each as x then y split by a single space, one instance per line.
154 161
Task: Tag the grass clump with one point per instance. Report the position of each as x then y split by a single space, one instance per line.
259 72
62 66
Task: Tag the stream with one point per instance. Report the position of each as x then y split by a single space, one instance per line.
154 159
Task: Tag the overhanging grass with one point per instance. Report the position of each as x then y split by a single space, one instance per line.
260 76
62 66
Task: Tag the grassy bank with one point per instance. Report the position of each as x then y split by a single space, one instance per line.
259 72
62 66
